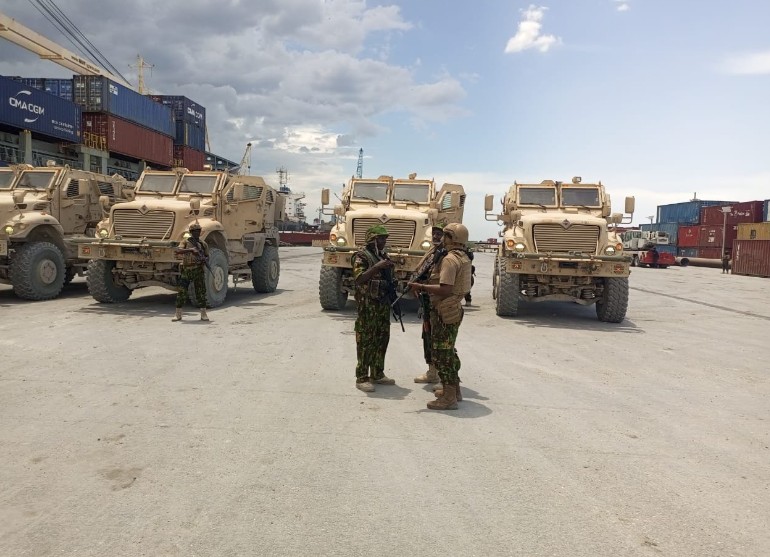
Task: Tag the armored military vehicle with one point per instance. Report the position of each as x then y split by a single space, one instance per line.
559 243
43 212
407 208
136 244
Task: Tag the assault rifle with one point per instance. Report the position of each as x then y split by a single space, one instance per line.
423 272
198 252
393 297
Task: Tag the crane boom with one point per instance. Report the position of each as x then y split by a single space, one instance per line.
46 49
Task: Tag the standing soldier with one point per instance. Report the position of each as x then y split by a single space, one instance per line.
194 254
424 268
449 282
726 262
372 271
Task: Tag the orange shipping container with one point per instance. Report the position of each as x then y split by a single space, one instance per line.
754 231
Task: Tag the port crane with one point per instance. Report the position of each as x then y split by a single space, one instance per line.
360 167
244 169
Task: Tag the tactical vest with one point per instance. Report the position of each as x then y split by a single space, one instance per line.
376 288
450 308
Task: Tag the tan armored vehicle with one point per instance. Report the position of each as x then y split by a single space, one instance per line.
43 211
136 244
407 208
559 243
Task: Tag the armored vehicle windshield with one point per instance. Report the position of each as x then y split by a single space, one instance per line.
374 191
6 178
158 183
419 193
198 184
538 196
580 197
35 179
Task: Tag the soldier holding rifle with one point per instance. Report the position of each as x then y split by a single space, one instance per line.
194 254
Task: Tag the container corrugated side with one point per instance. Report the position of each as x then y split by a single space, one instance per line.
95 93
751 257
184 109
710 253
688 237
667 249
687 212
712 236
749 211
188 158
190 136
754 231
37 111
126 138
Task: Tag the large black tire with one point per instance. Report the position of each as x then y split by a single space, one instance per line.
612 306
508 290
216 279
266 270
330 291
69 275
101 283
37 271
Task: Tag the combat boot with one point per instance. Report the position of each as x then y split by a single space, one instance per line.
204 315
438 391
448 400
177 315
384 380
430 376
365 386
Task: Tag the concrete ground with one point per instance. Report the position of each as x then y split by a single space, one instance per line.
125 434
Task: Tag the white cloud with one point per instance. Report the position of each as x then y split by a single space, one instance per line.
752 63
622 5
529 34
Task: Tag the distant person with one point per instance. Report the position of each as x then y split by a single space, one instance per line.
194 253
373 273
726 263
655 256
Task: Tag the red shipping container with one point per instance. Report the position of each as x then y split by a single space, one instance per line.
751 257
710 253
114 134
189 158
711 236
688 237
748 211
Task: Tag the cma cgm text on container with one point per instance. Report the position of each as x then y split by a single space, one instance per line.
30 109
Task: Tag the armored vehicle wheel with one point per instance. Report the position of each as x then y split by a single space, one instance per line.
37 271
495 279
101 283
216 279
612 306
69 275
507 300
330 291
266 270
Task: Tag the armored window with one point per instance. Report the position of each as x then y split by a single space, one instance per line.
377 191
106 189
72 188
588 197
446 202
537 196
270 198
34 180
6 178
197 184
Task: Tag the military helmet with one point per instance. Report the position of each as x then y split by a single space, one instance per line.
457 232
195 226
438 226
375 232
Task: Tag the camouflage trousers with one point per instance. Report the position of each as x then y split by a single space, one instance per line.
443 354
426 343
196 277
372 338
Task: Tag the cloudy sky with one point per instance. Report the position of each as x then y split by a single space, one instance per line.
658 99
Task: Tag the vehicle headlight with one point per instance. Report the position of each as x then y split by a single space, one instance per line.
341 241
426 244
609 250
186 235
103 232
8 229
519 247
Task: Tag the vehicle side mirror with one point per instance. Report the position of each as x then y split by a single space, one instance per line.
339 210
195 205
18 196
489 203
104 202
630 205
616 218
324 197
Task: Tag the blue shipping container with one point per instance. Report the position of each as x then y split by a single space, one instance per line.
95 93
184 109
190 136
37 111
685 213
671 228
54 86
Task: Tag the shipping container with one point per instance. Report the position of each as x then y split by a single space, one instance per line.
767 206
688 237
751 257
39 112
188 158
110 133
749 211
183 109
710 253
672 229
687 252
712 236
687 212
667 249
190 136
754 231
96 93
61 88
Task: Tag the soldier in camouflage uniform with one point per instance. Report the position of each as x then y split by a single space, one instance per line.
194 253
372 270
430 376
449 282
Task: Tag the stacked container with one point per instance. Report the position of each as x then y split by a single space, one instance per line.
189 130
25 107
61 88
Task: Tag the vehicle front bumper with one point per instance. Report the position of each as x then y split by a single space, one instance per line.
568 265
406 260
145 250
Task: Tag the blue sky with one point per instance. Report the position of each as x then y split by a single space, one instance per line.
657 99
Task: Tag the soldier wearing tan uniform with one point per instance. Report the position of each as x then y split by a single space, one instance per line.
447 286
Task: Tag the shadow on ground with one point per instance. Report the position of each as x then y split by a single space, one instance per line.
558 315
